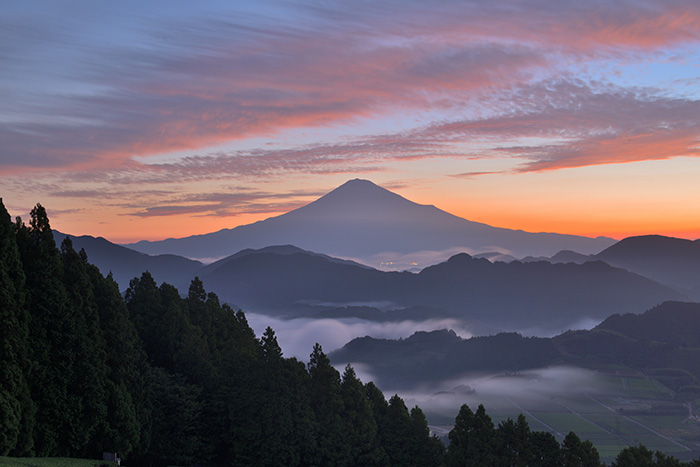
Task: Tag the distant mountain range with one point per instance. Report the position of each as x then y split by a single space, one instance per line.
667 260
536 297
125 263
363 221
664 341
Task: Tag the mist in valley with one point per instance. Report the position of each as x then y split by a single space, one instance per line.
498 392
298 336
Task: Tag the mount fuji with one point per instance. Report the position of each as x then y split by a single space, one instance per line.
370 224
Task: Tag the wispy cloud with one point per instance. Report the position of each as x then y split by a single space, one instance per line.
146 114
240 201
192 82
580 125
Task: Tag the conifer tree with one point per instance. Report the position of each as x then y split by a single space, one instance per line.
398 437
379 407
514 443
333 447
360 426
51 352
86 381
641 456
545 449
428 450
471 439
16 406
177 420
577 453
272 352
127 424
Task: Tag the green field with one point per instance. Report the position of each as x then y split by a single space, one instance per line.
51 462
612 410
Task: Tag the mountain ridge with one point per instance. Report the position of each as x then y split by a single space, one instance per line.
628 340
668 260
488 296
360 220
125 263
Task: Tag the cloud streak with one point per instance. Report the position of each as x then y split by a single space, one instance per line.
202 82
123 110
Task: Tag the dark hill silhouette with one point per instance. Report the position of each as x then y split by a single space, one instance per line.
667 260
360 220
281 283
664 259
568 256
125 264
429 357
489 296
275 249
662 342
676 323
538 294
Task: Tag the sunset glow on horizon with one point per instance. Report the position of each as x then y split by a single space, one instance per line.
143 122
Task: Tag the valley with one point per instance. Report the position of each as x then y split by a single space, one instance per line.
590 343
614 409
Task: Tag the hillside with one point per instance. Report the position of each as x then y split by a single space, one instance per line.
125 263
662 341
667 260
489 297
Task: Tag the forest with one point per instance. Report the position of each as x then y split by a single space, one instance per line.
167 380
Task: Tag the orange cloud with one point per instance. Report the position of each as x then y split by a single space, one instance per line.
227 84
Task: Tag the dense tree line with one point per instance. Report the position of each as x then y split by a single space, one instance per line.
163 379
474 441
73 374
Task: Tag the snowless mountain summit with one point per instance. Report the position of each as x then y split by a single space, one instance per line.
368 223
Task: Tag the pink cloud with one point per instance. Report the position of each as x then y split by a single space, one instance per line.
221 82
576 125
585 126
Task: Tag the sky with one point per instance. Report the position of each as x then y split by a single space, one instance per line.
148 120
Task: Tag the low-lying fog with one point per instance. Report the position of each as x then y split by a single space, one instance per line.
440 400
298 336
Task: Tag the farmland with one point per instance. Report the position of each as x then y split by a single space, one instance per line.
612 408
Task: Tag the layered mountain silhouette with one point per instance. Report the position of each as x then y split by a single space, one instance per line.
541 297
535 297
663 342
361 220
125 263
664 259
667 260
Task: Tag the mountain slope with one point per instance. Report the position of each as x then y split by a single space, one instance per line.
275 249
542 297
665 259
125 264
360 220
662 341
429 357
